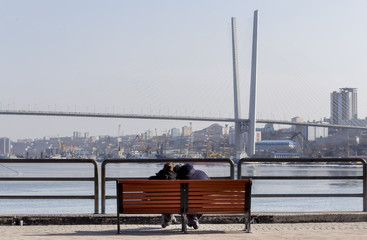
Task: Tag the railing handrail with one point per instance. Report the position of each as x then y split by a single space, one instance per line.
95 179
164 160
309 160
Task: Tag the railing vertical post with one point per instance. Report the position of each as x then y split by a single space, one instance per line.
239 169
103 187
364 162
232 170
96 188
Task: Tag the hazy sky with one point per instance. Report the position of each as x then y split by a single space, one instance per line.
173 58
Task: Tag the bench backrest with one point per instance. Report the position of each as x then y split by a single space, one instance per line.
148 196
218 196
183 196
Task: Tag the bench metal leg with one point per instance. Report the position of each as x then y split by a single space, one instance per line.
118 224
183 223
247 222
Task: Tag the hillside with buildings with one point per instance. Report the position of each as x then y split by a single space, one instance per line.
211 142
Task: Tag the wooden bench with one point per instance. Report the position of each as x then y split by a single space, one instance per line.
184 197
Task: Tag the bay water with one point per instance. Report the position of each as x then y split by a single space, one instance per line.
144 170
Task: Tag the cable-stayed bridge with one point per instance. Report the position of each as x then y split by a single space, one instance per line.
241 125
166 117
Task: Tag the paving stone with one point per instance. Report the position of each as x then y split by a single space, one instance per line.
355 231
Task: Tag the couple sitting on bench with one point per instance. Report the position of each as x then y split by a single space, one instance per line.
184 172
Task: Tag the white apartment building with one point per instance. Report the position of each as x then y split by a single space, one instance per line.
343 105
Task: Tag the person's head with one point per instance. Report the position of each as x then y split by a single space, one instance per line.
168 167
186 169
177 167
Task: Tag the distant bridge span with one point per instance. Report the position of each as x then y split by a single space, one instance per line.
164 117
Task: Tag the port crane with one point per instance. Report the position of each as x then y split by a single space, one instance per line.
61 147
165 142
146 149
142 144
73 151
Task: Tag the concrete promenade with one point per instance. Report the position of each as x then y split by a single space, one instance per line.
257 217
355 230
268 225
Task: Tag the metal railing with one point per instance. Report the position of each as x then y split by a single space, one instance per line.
104 179
354 161
50 179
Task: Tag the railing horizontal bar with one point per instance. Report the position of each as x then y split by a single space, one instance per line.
145 178
305 195
46 197
46 179
303 160
22 160
110 197
132 178
174 160
302 177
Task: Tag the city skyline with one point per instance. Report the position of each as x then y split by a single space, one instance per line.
175 59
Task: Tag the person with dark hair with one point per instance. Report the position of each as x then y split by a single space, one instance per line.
187 171
166 173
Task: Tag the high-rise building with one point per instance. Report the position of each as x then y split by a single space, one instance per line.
343 105
4 146
86 135
175 132
187 131
225 130
77 135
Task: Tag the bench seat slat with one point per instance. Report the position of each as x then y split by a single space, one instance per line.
153 183
209 189
150 188
216 201
151 210
221 185
218 184
151 194
215 211
241 197
152 205
219 190
216 205
152 202
151 197
215 193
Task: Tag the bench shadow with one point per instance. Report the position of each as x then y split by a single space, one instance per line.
140 231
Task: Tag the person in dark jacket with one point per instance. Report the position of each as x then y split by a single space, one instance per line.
187 171
166 173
